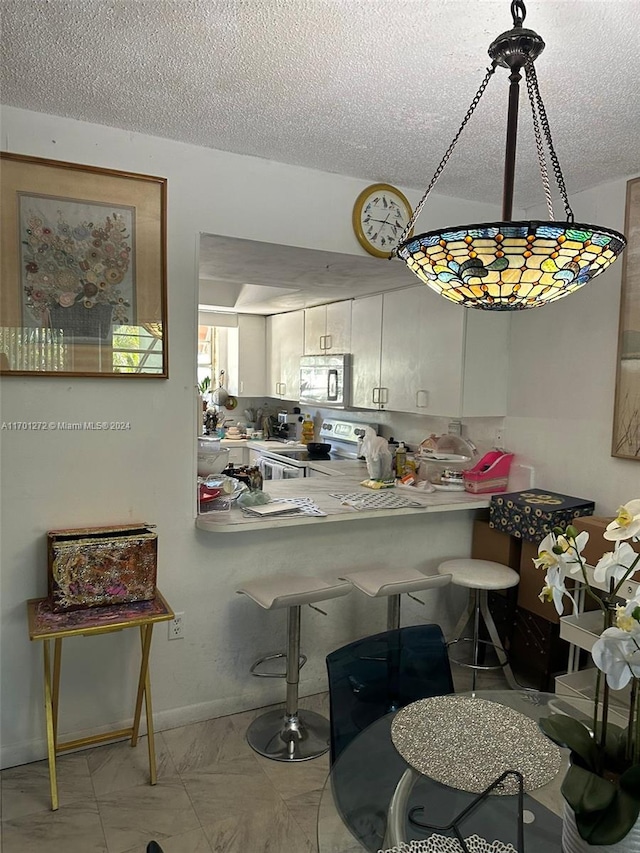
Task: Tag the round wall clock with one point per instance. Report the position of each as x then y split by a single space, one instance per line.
380 215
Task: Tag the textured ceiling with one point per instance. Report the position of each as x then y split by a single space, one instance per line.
374 89
369 88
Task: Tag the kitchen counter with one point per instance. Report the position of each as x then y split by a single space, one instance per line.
320 490
273 446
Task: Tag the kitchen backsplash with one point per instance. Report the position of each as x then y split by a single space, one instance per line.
412 429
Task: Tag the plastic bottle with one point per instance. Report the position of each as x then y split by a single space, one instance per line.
401 460
308 430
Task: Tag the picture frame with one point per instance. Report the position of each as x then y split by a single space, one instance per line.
83 272
626 416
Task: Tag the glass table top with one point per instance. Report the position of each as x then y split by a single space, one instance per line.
371 788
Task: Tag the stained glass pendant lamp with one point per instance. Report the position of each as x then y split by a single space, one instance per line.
508 266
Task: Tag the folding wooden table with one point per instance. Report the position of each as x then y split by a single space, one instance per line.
46 625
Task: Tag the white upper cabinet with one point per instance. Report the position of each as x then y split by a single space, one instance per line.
247 362
414 352
366 345
422 352
285 346
327 328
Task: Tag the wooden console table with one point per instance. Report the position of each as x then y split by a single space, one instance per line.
46 625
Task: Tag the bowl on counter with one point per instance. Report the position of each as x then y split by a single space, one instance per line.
318 449
212 459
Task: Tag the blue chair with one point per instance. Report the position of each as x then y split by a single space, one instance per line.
381 673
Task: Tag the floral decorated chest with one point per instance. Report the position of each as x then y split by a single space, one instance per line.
93 567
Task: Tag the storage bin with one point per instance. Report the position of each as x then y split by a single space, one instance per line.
97 566
489 474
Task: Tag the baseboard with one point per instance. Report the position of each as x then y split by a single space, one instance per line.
36 750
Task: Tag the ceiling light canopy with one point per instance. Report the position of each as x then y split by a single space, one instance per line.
508 266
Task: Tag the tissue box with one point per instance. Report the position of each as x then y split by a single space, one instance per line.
97 566
533 514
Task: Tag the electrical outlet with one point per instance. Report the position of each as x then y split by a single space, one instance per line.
176 627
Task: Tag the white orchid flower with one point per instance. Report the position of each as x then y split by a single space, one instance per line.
554 589
627 523
617 654
627 618
572 551
546 558
615 564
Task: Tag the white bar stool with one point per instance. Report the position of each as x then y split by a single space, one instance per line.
295 735
479 576
392 582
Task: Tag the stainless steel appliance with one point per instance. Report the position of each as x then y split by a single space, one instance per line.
289 427
345 437
325 380
283 461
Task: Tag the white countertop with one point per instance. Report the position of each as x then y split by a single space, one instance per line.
273 446
320 489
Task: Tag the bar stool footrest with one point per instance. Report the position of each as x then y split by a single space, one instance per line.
298 737
276 656
486 644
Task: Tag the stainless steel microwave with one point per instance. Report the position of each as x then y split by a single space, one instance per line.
325 380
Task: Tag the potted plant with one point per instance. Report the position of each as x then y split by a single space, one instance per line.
203 388
602 785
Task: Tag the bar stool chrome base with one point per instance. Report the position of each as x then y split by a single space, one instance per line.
298 737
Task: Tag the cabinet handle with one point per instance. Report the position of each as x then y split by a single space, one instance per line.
322 346
384 395
422 395
283 388
327 345
375 398
278 388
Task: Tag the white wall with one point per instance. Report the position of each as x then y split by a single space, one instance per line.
69 479
562 377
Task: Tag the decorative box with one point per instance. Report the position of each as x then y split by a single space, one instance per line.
533 514
97 566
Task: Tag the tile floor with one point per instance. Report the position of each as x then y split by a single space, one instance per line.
214 795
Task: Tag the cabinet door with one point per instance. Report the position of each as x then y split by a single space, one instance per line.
366 340
315 327
285 344
400 368
422 352
252 355
441 354
338 328
247 357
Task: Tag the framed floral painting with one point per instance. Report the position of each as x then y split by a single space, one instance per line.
83 270
626 419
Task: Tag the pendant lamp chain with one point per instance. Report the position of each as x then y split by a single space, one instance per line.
542 160
449 152
532 87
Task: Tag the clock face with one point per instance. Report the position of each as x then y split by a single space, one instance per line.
380 215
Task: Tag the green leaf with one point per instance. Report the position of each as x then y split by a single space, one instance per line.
612 824
586 792
565 731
